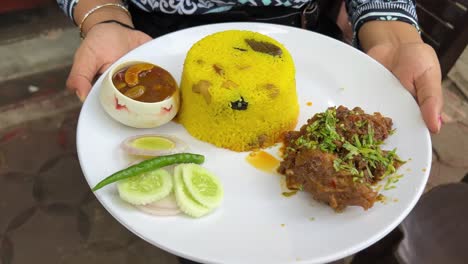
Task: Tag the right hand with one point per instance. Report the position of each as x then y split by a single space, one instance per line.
103 45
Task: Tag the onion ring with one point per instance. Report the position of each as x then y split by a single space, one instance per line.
158 211
179 146
164 207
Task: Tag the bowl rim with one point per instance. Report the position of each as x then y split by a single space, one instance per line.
126 63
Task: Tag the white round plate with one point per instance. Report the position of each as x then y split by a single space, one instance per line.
256 223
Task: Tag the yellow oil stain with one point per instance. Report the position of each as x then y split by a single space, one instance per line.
263 161
284 187
382 198
289 194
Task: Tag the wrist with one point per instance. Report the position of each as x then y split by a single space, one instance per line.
105 14
88 13
387 33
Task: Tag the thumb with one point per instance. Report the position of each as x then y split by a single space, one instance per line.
82 73
429 95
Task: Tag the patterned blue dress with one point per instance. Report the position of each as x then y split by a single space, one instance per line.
359 11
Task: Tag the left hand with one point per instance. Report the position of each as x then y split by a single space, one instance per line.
412 61
417 67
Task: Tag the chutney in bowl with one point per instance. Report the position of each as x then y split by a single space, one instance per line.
140 94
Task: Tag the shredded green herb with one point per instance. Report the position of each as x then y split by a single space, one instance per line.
322 134
338 164
391 180
361 123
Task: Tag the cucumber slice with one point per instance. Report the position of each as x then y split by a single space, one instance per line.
146 188
203 185
184 199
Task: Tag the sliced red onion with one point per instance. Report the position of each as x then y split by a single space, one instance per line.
169 202
179 146
165 207
158 211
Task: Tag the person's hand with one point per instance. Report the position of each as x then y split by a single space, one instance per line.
417 67
103 45
398 47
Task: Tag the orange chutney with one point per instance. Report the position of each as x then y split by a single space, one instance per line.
145 82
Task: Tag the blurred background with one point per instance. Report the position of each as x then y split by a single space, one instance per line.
47 212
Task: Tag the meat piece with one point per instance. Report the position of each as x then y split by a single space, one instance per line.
356 121
329 157
313 170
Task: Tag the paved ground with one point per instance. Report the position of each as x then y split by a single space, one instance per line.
35 41
450 147
47 213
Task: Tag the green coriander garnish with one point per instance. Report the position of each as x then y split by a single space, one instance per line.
391 180
321 133
361 151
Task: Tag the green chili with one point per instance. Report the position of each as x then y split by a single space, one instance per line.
150 165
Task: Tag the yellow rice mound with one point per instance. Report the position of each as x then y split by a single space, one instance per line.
238 90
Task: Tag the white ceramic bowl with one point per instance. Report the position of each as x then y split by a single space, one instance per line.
134 113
